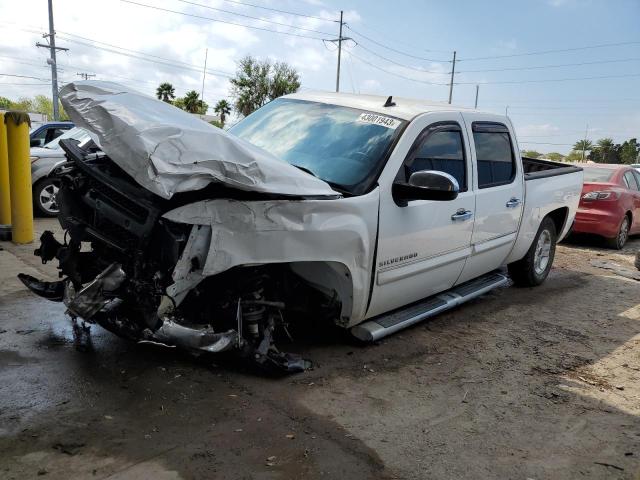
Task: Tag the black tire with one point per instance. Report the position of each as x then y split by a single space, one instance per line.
44 189
621 238
527 272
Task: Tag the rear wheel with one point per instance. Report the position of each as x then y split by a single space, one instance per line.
534 267
45 194
620 239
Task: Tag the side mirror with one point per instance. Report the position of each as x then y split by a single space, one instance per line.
35 142
426 185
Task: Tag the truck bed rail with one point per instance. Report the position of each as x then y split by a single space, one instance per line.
535 168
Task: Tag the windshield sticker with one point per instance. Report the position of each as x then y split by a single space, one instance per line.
375 119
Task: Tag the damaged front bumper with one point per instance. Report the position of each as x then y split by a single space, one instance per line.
104 301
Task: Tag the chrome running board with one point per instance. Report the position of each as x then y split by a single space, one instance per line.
389 323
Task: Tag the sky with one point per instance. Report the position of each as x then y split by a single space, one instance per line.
559 68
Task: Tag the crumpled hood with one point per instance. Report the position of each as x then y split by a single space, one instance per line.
167 150
46 152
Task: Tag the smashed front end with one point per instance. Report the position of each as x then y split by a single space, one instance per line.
180 234
120 258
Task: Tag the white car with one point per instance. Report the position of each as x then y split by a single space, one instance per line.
43 161
373 213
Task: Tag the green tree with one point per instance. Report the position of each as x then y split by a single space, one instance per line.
258 82
605 147
531 154
5 103
191 103
223 109
583 146
629 151
43 104
555 156
574 156
23 104
284 80
166 92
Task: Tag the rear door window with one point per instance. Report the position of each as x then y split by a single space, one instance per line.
494 154
630 181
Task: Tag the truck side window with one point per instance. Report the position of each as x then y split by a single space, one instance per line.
439 148
494 154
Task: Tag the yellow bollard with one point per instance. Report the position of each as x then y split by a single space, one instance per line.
5 200
17 124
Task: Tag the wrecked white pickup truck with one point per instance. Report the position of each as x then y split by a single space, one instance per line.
368 213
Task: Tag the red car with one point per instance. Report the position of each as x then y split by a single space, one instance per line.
610 203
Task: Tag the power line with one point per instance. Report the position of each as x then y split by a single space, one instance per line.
544 52
222 21
166 62
407 45
551 66
395 50
398 63
22 76
546 143
288 12
549 80
26 84
252 17
137 52
393 73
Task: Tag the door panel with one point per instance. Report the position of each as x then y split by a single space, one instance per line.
499 195
633 179
421 248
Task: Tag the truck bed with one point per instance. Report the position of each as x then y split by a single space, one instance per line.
535 168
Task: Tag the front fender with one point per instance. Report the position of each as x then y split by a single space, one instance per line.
339 231
43 167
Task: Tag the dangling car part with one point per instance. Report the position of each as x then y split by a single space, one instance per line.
368 213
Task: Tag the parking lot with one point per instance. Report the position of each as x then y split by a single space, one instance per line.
524 383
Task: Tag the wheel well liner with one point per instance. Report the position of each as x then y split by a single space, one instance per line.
559 218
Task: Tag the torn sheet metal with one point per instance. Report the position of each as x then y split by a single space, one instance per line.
167 150
91 299
263 232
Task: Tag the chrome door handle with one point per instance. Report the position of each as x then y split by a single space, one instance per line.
462 215
513 203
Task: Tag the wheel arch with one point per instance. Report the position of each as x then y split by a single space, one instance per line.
559 217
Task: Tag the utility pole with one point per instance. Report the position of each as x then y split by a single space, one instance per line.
339 41
339 53
86 76
453 72
584 143
477 89
204 73
52 61
506 111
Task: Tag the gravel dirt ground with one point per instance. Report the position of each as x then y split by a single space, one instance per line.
521 384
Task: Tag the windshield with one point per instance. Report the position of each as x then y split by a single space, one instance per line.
75 133
592 174
342 146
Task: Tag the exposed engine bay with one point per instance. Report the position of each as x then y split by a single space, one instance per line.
121 265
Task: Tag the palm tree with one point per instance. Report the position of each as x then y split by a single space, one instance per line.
223 109
166 92
605 145
192 102
583 145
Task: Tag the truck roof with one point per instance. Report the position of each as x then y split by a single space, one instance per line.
405 108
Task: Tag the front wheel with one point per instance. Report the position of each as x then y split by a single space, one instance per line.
534 267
